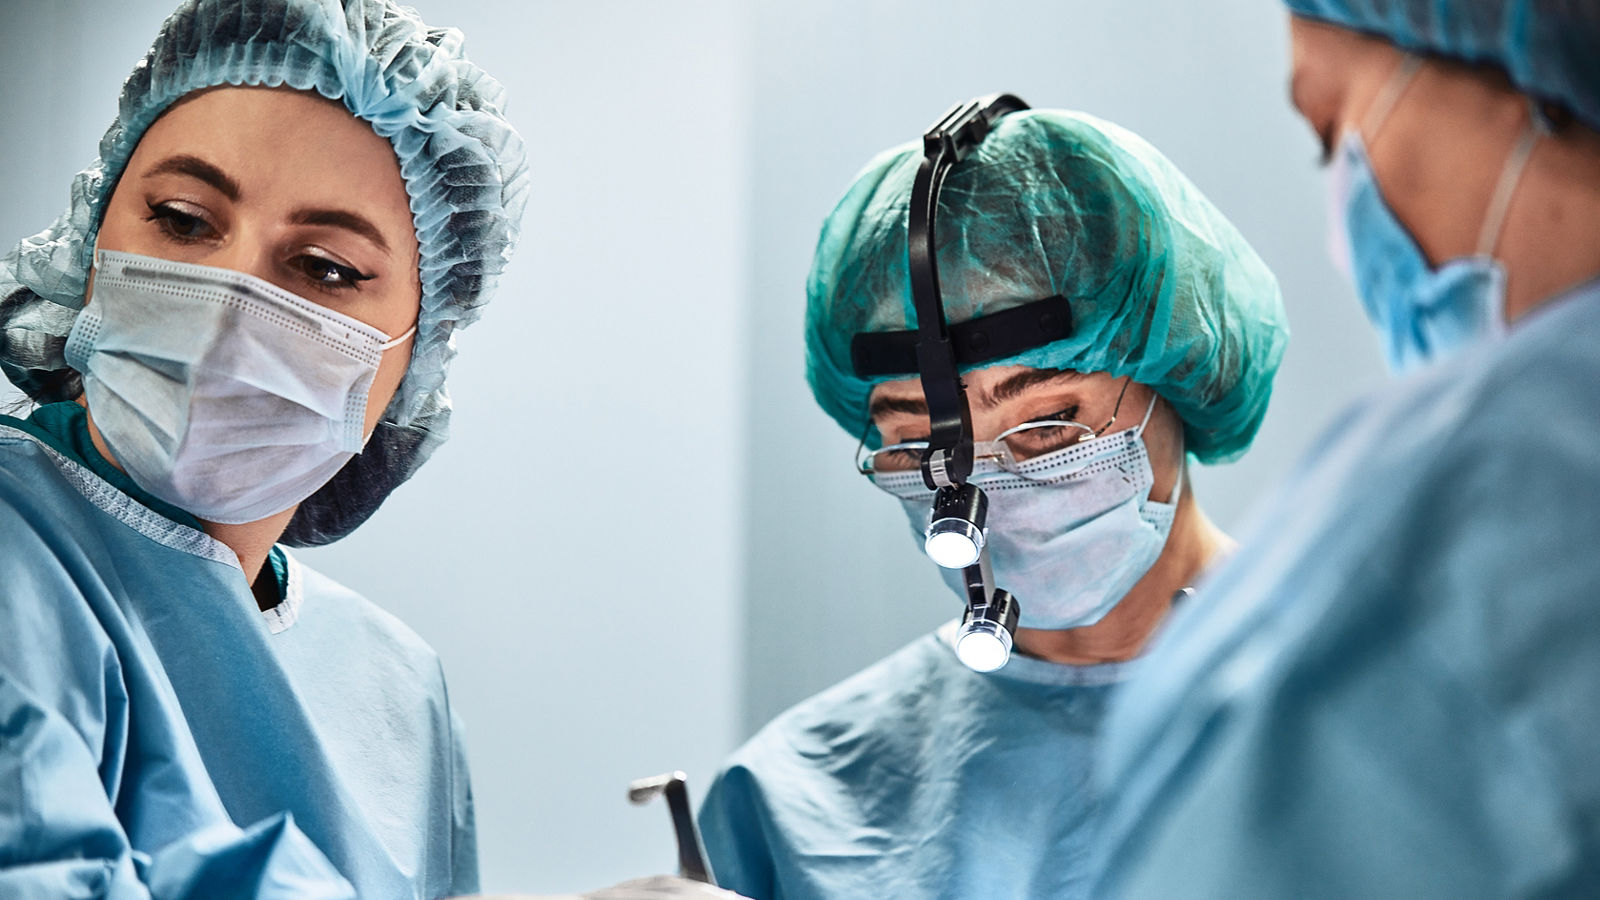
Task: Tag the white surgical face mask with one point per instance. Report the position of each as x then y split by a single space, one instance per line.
220 393
1070 532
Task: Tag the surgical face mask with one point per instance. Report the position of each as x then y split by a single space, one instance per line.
1070 532
1421 313
218 392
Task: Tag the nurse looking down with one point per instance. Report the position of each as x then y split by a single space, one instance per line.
1390 691
920 777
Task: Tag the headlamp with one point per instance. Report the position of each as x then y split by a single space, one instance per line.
954 538
956 526
983 643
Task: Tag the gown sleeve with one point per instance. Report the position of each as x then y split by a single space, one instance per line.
732 828
66 730
1390 690
463 818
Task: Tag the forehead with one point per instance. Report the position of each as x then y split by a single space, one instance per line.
283 147
1324 56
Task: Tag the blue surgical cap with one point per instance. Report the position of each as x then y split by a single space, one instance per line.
1550 49
1161 285
464 166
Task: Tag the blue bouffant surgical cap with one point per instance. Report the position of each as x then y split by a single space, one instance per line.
1550 49
464 166
1162 288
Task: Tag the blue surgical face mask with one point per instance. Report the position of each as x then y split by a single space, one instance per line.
1070 532
1421 313
218 392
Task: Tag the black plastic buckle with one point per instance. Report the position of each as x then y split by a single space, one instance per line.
965 125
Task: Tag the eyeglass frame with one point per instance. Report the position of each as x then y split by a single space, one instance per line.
982 450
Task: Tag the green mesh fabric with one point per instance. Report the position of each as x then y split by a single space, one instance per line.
1162 287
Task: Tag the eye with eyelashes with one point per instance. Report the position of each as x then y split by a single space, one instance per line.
181 222
186 224
1022 445
327 273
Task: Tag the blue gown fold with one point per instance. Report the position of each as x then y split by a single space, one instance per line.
161 737
918 777
1391 689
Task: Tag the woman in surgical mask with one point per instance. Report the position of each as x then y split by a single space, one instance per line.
1395 696
921 777
237 336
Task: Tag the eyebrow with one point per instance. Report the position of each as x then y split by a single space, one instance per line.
1009 389
912 406
197 168
1013 386
341 218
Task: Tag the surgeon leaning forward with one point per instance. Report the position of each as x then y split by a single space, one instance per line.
237 336
921 777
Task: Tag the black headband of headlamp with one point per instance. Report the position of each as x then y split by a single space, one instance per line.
936 351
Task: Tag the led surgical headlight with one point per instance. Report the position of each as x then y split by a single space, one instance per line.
954 538
983 643
936 351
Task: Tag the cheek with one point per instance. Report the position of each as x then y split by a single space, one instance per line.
119 225
393 312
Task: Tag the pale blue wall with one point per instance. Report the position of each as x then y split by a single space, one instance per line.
605 552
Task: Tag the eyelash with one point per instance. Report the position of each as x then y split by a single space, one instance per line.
168 218
1070 414
350 279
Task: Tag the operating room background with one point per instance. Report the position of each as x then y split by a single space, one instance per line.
644 539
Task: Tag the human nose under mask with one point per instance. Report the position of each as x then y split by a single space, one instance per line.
219 392
1421 313
1070 532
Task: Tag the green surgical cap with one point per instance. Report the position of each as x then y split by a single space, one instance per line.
1162 287
464 166
1550 49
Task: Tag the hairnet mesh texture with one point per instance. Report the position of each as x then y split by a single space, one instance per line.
464 167
1162 287
1550 49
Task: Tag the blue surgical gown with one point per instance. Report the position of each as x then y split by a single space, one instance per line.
160 736
1393 689
918 777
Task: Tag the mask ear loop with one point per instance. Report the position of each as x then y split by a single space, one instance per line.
1494 219
1183 461
1388 97
1183 471
1139 432
94 264
395 342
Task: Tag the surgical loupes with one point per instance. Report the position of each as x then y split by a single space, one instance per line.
691 853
